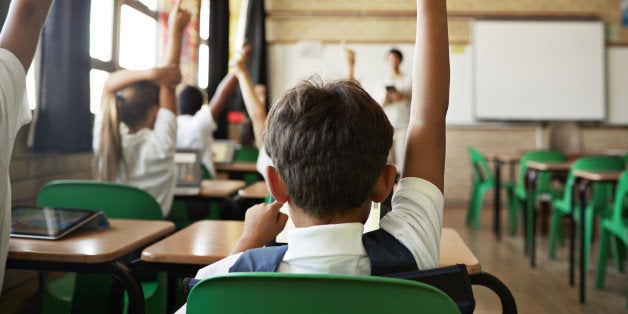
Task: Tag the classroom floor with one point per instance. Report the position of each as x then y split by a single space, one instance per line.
544 289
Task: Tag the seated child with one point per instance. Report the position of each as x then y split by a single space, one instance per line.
135 134
197 121
329 144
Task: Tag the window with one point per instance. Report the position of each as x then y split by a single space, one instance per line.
203 48
112 49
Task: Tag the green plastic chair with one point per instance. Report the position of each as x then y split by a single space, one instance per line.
247 154
483 180
614 228
282 293
543 187
88 293
599 205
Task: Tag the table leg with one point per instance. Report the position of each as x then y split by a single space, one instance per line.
530 213
497 200
572 235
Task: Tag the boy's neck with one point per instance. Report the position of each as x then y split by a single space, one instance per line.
302 219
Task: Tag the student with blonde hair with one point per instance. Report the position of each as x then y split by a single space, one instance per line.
135 134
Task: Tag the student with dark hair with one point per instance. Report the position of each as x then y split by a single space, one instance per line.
329 144
135 133
18 41
197 121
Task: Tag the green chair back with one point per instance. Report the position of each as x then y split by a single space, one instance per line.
544 180
83 293
246 154
282 293
614 231
481 171
600 191
114 199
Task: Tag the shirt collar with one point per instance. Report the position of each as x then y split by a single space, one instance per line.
326 240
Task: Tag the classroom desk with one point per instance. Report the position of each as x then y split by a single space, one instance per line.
498 161
216 189
257 190
236 167
584 181
92 251
205 242
534 168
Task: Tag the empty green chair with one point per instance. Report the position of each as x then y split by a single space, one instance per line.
543 187
282 293
614 230
88 293
483 180
598 205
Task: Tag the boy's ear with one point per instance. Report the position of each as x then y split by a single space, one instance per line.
276 185
384 184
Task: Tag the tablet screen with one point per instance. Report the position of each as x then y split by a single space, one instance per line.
48 222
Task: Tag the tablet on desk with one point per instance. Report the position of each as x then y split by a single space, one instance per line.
52 223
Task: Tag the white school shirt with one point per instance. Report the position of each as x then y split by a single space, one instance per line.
148 157
14 113
416 221
196 132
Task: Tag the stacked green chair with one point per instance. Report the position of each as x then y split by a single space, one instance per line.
614 230
88 293
483 180
315 293
543 187
599 204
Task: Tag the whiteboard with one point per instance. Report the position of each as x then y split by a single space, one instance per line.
618 85
291 62
539 70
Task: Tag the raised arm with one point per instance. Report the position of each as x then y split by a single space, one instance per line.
177 21
255 107
349 60
223 94
22 28
425 146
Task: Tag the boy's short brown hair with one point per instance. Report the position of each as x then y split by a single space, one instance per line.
329 143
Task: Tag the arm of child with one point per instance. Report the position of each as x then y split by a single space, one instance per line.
262 224
222 95
349 60
177 21
255 107
22 28
425 146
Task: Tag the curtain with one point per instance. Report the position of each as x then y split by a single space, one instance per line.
218 54
64 121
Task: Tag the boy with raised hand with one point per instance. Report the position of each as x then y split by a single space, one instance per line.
18 42
329 144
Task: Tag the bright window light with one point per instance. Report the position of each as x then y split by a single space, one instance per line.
203 66
101 29
97 80
204 20
138 40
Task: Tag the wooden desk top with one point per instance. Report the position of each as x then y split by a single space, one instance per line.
598 175
550 165
202 243
92 246
255 190
505 158
219 188
208 241
236 167
454 251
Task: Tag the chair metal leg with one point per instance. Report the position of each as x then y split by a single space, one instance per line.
505 296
